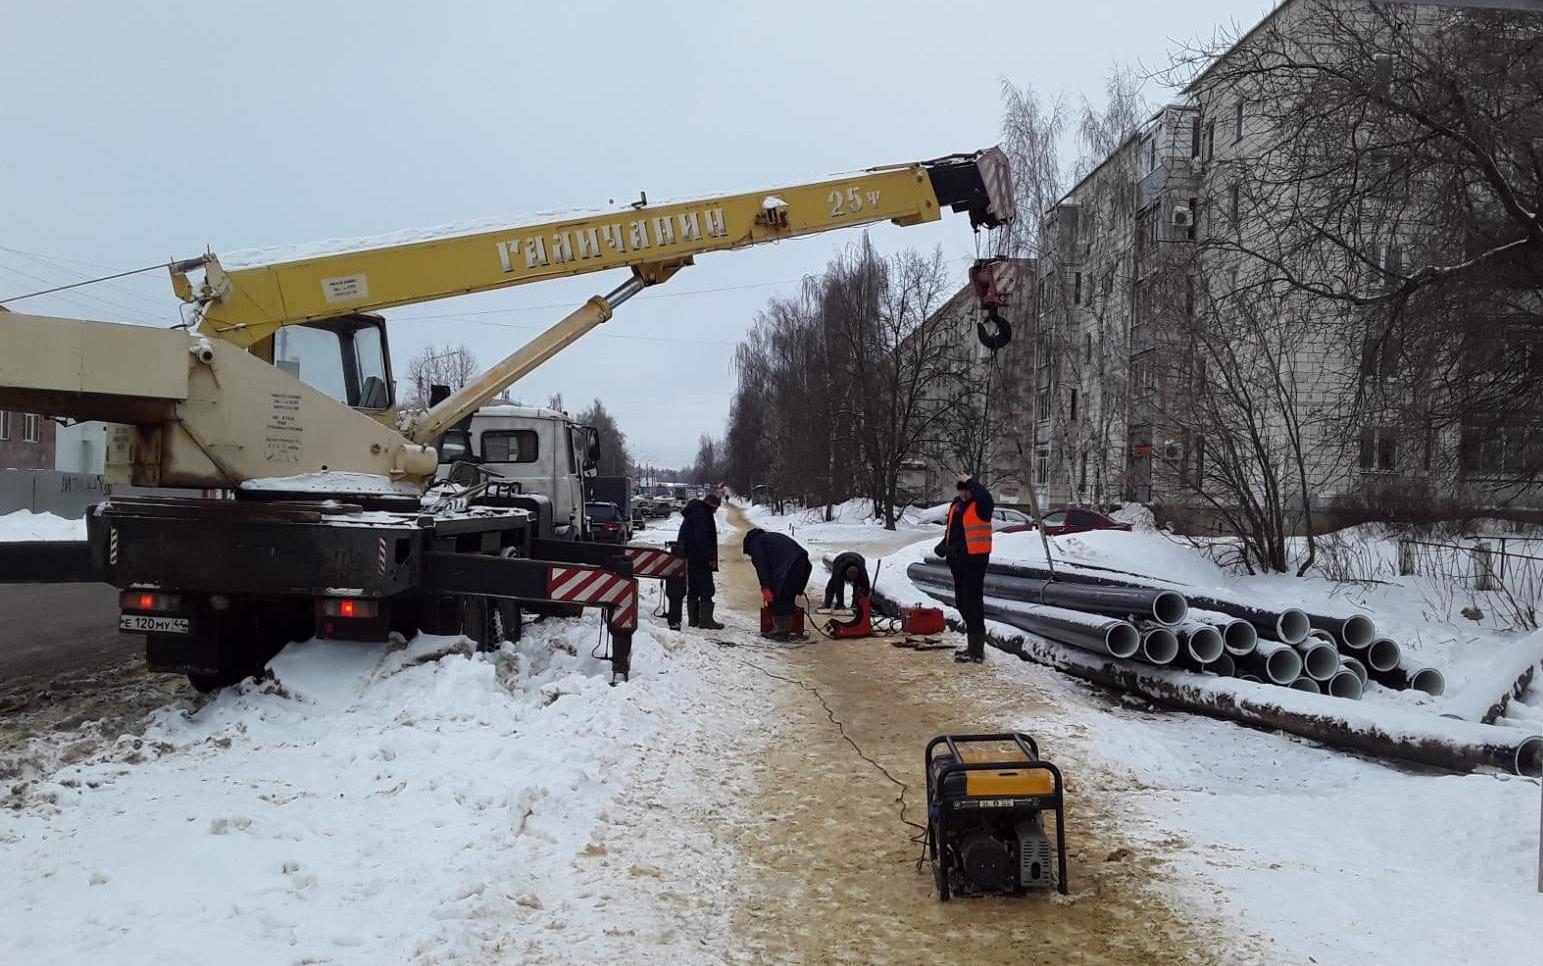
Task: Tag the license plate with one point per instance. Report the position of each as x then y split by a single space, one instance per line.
150 624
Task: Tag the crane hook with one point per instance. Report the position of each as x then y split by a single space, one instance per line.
994 339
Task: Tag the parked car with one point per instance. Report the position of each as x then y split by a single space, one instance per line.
606 524
1004 519
1072 519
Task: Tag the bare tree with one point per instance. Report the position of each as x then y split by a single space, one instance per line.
614 459
1390 168
445 365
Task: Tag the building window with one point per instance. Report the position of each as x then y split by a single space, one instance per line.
1194 138
1087 347
32 427
1235 200
1189 296
1496 450
5 425
1082 472
1077 288
1194 215
1237 121
1380 351
1074 405
1042 467
1210 139
1379 448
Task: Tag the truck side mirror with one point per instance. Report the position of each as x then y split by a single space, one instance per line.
593 450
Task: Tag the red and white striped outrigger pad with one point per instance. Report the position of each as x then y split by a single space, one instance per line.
653 562
596 588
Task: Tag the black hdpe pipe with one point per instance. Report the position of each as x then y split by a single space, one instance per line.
1089 632
1288 625
1166 607
1407 675
1440 743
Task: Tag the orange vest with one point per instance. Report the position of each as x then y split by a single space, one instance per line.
977 532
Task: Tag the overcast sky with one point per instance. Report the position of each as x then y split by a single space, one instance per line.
134 133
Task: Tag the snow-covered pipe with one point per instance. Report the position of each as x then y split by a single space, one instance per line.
1201 642
1355 667
1407 675
1166 607
1289 625
1278 663
1403 734
1305 683
1320 661
1345 684
1355 631
1238 636
1159 645
1091 632
1223 666
1382 654
1324 636
1487 690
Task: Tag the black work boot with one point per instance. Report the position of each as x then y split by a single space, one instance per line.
693 612
705 616
781 629
974 650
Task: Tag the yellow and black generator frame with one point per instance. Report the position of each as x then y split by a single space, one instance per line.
986 798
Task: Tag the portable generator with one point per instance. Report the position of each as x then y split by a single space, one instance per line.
921 620
987 796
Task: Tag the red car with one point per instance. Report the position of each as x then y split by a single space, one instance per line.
1073 519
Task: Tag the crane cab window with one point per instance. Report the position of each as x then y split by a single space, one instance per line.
344 358
510 446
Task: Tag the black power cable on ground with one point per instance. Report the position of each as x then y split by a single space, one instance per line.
920 830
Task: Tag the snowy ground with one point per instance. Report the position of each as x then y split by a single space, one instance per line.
26 525
424 804
1333 858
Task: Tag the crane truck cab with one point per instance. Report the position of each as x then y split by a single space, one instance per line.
542 450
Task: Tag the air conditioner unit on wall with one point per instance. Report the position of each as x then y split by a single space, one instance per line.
1182 217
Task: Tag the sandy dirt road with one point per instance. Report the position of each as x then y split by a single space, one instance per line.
828 871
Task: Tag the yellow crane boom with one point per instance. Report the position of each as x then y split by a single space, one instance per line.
246 305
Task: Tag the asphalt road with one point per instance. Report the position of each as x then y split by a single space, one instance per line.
51 629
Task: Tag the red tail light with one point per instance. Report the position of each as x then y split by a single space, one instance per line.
148 600
347 607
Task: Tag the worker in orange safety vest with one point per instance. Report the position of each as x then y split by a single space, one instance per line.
966 546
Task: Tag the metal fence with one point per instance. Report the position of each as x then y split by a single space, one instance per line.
1511 580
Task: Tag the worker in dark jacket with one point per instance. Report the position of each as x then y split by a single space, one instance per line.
967 548
698 543
848 568
783 568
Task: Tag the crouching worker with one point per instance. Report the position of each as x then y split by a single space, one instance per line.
848 568
783 568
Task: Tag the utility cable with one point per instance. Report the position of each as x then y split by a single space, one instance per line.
89 281
920 831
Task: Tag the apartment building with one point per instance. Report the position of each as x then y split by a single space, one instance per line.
26 441
1171 365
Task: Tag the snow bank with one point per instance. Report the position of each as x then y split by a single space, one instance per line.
26 525
426 804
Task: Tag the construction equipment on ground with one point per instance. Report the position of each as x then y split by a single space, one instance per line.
987 795
279 395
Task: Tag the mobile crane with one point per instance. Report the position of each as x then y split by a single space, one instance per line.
279 393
